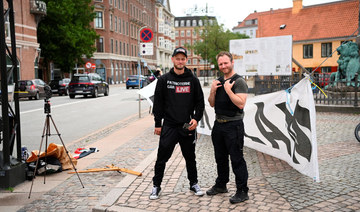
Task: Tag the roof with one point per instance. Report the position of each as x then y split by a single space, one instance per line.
322 21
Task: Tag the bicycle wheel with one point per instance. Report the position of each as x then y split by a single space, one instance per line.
357 132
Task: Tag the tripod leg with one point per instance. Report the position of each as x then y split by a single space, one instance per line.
38 156
67 152
46 142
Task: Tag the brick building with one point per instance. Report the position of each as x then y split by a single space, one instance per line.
317 30
118 22
186 33
165 34
27 15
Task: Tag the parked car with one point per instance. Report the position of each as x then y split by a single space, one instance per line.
133 81
34 88
60 86
87 84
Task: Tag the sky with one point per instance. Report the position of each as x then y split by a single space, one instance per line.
230 12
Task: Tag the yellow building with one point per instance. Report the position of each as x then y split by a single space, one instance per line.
317 30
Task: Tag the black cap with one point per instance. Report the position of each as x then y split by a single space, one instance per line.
180 50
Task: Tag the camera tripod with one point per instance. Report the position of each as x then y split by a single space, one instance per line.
46 134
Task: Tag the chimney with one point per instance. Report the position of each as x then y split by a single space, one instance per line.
297 6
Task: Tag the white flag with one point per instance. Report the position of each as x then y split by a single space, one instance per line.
281 124
148 92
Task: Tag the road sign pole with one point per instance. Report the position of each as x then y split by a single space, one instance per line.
139 68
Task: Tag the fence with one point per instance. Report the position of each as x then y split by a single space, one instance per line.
340 93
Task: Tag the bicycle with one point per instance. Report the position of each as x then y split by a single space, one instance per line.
357 132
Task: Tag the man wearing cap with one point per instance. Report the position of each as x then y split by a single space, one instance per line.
178 107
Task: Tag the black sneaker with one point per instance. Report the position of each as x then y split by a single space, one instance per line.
155 193
239 197
216 190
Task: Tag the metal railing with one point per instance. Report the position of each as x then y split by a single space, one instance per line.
340 93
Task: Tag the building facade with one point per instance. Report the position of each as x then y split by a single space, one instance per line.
165 35
317 31
118 23
187 31
27 15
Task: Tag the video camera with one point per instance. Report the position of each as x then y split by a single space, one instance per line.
48 95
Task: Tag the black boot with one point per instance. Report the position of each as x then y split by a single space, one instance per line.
240 196
216 190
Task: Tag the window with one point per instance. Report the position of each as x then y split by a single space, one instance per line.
182 23
193 23
200 23
111 22
116 46
326 49
194 33
325 69
115 24
182 33
176 23
188 33
182 42
308 51
195 61
176 33
119 25
188 62
100 45
112 45
99 20
7 27
188 23
127 28
120 48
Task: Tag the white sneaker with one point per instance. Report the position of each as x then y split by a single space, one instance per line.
197 190
155 193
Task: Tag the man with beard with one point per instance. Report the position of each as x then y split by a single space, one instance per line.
178 107
228 94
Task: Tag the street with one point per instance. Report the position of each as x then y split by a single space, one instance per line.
76 118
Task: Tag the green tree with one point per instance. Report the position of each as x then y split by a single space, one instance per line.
65 34
213 40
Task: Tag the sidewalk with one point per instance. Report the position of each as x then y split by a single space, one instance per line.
274 185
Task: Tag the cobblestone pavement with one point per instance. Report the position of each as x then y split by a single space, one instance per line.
274 185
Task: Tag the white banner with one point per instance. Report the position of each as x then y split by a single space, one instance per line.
280 124
148 92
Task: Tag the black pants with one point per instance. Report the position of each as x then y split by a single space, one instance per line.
228 139
168 139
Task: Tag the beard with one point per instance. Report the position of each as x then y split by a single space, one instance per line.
179 67
227 70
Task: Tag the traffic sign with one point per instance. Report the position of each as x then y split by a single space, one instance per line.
146 48
88 65
146 35
93 66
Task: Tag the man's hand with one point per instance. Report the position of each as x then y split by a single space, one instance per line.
193 124
214 86
228 86
157 131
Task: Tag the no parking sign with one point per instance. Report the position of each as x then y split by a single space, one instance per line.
146 35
